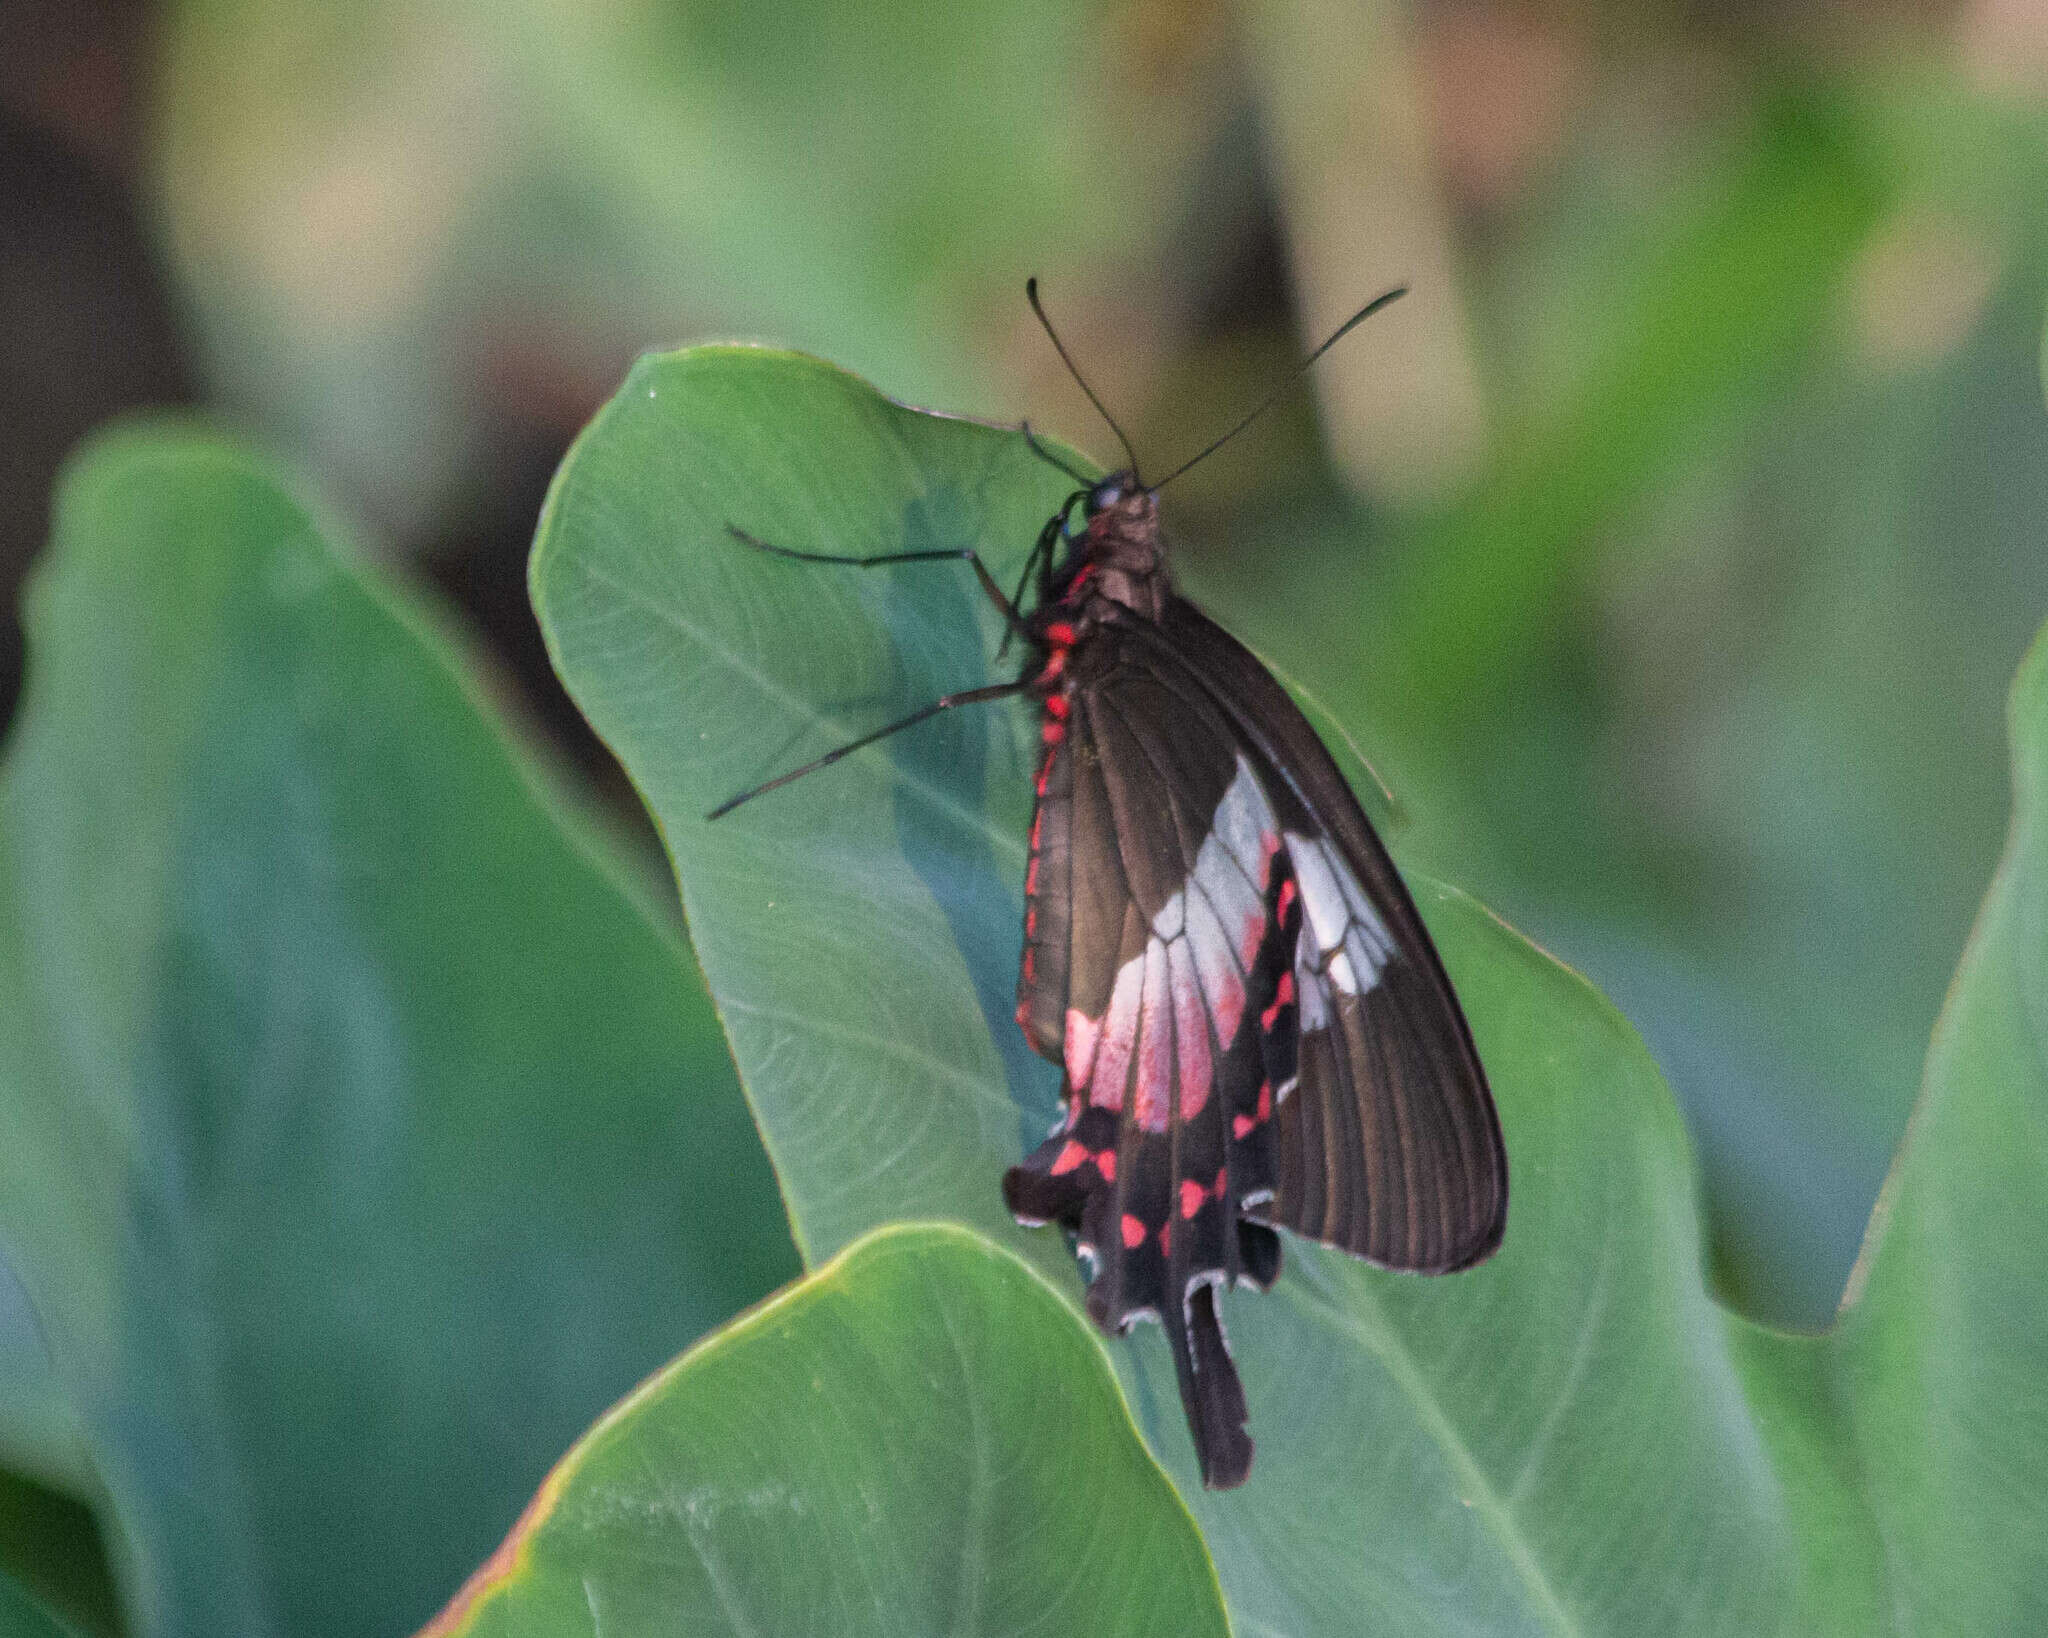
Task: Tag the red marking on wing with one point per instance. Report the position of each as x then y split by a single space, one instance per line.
1060 634
1058 705
1283 996
1068 1158
1054 730
1221 1185
1265 1100
1055 663
1287 896
1105 1163
1192 1194
1241 1126
1133 1232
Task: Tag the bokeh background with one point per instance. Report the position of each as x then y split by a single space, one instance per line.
1669 548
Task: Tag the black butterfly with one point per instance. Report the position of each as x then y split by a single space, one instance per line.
1254 1028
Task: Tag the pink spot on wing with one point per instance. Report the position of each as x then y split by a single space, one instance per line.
1192 1194
1058 705
1241 1126
1053 732
1287 896
1082 1034
1105 1163
1222 1183
1068 1158
1265 1100
1133 1232
1155 1046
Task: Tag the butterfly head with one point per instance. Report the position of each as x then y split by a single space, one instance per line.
1108 493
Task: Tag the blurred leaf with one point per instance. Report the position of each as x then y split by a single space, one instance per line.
39 1431
1946 1349
1721 291
389 220
22 1615
50 1546
917 1438
365 1135
1573 1438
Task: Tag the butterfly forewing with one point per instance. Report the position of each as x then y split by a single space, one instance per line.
1393 1150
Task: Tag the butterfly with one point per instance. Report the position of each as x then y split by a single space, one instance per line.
1253 1027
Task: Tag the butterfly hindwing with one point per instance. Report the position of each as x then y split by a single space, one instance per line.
1175 877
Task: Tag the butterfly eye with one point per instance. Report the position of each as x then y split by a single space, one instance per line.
1106 494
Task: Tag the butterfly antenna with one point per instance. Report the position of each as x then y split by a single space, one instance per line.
1336 336
1066 358
1050 458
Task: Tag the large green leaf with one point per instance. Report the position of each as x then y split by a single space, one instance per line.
22 1615
917 1438
1944 1351
365 1135
1572 1439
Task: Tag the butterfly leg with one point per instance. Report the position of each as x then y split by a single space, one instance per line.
947 554
967 696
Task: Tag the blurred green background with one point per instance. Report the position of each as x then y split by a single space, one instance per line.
1670 547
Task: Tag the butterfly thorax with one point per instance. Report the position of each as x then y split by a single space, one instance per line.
1115 566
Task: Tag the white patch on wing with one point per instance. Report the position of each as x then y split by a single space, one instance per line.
1119 1035
1155 1046
1204 940
1238 907
1322 900
1311 995
1167 924
1216 966
1190 1029
1245 823
1343 939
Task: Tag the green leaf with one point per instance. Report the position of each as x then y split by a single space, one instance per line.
51 1551
1945 1350
1572 1439
365 1135
917 1438
23 1615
